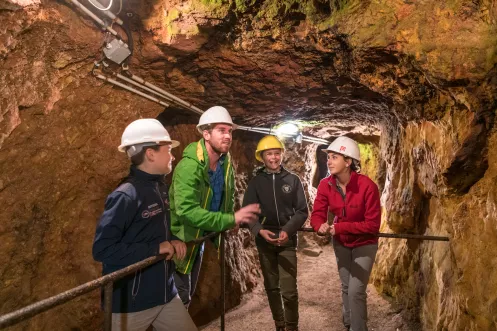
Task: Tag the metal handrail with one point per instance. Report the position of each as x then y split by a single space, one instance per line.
107 283
104 281
395 235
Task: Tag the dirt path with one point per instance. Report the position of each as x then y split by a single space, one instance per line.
319 303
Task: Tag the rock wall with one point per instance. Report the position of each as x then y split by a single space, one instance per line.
59 160
449 285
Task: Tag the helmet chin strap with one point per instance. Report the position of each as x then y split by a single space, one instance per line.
135 149
132 151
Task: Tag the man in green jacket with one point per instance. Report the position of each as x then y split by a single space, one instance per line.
202 195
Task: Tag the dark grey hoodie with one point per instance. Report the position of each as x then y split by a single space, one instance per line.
282 200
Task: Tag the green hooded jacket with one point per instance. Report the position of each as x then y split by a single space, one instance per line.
190 198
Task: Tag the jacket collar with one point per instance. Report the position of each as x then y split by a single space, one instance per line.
142 175
352 185
202 155
262 170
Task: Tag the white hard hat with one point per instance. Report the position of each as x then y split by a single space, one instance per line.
144 132
216 114
345 146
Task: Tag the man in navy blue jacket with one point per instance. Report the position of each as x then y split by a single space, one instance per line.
135 225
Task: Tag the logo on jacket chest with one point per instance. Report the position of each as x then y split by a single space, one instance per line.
151 210
286 188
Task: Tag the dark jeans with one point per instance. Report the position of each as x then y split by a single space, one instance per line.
186 283
279 268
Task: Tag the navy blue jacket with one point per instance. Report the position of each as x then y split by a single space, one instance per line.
134 223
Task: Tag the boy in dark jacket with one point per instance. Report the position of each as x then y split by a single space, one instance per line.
284 211
134 226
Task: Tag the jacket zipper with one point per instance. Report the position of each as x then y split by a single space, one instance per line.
133 292
343 198
198 233
275 202
227 186
165 226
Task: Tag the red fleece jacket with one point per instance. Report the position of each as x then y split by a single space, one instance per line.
357 218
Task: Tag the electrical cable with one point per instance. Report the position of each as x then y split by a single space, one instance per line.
100 8
120 7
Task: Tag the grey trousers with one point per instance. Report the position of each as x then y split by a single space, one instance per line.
354 268
186 283
169 317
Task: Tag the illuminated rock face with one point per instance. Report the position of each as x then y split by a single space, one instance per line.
420 74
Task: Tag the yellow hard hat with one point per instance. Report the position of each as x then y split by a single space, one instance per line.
268 142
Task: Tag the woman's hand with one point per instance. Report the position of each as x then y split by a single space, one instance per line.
323 229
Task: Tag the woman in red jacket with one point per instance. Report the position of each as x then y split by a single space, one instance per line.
354 201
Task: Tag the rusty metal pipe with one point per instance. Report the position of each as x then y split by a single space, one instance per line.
126 79
44 305
168 95
57 300
223 279
108 306
204 238
131 89
412 236
396 235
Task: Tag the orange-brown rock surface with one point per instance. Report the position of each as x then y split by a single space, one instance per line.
420 74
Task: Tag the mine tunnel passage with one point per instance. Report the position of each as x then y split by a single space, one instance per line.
414 83
310 163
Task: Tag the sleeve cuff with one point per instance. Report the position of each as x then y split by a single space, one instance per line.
154 250
316 225
256 228
227 222
289 231
173 237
